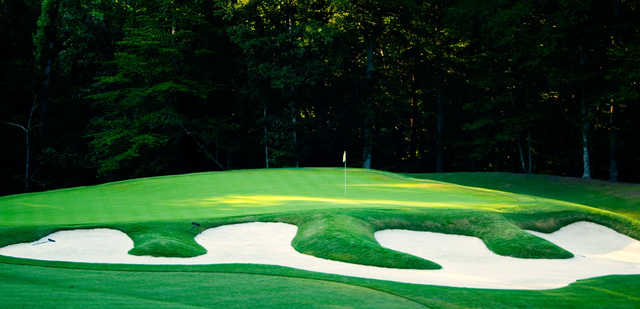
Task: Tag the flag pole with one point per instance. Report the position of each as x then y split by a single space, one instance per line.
344 160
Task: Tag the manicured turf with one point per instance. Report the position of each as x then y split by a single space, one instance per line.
65 288
158 214
260 286
623 198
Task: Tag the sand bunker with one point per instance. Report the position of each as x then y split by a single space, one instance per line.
466 260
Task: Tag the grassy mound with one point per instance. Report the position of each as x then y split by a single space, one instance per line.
347 238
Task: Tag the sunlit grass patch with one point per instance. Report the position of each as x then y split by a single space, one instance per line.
276 200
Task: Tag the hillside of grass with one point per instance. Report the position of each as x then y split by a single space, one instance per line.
620 197
63 285
163 214
159 213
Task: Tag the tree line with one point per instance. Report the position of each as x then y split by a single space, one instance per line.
99 90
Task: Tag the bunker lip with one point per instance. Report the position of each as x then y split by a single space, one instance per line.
466 260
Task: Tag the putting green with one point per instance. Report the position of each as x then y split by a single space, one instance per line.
157 213
233 193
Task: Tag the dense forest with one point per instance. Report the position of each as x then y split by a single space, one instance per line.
101 90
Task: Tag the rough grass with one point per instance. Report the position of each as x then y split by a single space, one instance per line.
157 213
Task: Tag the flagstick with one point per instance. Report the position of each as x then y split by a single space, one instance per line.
344 160
345 178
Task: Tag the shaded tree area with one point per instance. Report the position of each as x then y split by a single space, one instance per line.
99 90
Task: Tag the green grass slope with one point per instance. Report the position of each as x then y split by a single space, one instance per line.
157 213
62 285
623 198
67 288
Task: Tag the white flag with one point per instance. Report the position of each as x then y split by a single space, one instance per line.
344 157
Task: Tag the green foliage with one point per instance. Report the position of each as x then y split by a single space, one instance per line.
42 39
147 101
152 87
285 54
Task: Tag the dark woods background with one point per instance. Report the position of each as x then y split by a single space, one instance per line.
99 90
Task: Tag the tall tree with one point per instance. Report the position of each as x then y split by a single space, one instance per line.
622 73
280 43
153 98
505 53
17 84
579 59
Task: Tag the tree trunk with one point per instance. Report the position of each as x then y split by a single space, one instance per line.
613 163
616 8
27 160
412 134
522 164
412 126
366 151
586 167
27 133
44 95
584 130
294 134
202 147
529 157
439 129
27 164
45 55
27 176
370 66
266 138
368 121
217 147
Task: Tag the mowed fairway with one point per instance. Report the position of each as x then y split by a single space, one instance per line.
159 215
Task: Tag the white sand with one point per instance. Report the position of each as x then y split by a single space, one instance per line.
466 260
